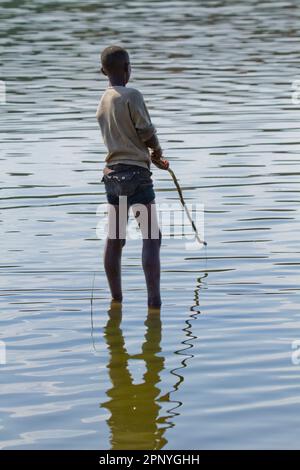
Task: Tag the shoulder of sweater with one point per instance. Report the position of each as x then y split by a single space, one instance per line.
134 93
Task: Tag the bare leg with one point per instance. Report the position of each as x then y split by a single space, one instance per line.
112 265
113 251
150 255
151 266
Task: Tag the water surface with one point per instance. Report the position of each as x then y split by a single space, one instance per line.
214 370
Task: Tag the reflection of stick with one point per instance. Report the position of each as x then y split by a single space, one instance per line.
202 242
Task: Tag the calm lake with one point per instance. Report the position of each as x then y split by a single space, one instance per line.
214 369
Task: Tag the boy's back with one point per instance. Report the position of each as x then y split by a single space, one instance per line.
126 126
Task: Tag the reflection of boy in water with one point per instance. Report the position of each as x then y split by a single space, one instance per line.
133 407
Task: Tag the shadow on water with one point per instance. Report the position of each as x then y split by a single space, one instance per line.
137 420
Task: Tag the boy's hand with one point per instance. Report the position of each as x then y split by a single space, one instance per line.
106 171
157 160
156 154
161 163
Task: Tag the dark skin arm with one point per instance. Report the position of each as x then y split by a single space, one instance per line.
156 153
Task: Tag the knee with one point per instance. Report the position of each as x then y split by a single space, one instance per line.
154 241
116 243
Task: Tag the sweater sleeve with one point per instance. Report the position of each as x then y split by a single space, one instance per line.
140 116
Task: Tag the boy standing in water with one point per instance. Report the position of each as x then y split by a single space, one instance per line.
132 144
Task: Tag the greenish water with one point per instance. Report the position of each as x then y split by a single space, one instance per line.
214 370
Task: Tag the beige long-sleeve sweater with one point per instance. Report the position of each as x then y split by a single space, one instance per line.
125 125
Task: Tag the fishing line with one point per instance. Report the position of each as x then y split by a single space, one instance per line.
92 316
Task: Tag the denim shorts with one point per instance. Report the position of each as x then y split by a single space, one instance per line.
132 181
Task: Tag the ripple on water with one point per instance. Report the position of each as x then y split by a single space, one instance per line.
216 371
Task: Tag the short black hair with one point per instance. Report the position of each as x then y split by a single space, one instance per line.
113 58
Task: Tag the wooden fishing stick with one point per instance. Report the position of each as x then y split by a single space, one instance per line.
202 242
